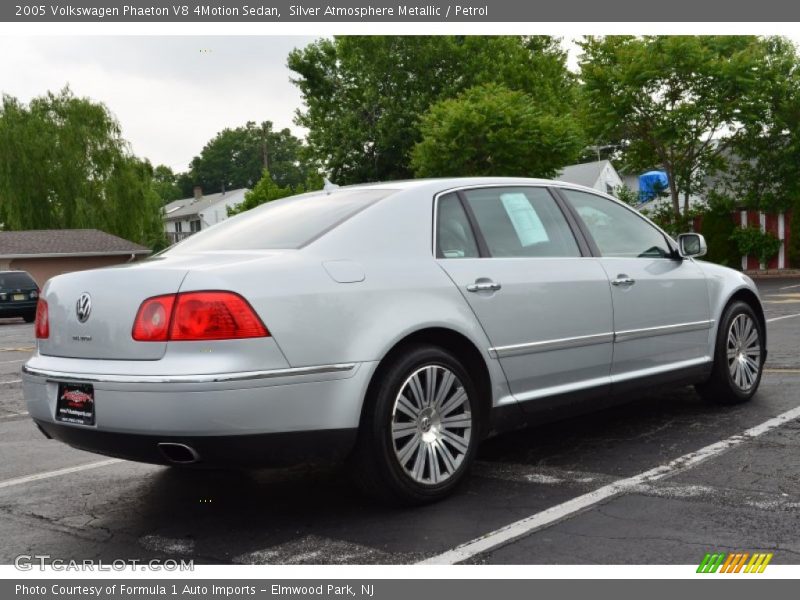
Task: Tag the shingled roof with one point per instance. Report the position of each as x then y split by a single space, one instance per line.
43 243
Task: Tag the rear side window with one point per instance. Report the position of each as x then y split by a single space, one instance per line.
521 222
16 281
287 223
454 237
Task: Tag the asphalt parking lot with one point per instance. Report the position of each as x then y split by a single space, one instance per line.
537 496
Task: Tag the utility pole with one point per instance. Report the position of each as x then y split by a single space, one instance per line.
265 128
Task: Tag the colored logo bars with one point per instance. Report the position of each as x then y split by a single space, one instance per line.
734 562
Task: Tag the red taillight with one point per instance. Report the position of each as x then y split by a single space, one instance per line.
42 326
152 320
197 316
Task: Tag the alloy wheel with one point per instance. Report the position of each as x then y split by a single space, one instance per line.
744 352
431 425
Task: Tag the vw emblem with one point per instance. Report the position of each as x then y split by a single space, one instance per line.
83 308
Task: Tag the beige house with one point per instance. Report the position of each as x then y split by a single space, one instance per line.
45 253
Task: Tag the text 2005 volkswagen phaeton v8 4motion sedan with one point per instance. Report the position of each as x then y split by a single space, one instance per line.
393 325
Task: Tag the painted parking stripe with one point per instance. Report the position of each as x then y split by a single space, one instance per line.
57 473
14 415
789 287
11 381
8 362
567 509
773 319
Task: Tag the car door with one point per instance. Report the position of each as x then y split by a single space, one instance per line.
661 306
544 305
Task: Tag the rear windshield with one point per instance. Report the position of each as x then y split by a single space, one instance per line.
16 281
286 223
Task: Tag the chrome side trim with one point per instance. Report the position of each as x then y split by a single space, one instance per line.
598 338
548 345
204 378
636 334
578 386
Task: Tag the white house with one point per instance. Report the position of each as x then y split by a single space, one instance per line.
599 175
184 217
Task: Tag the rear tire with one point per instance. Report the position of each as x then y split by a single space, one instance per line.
738 357
29 318
419 428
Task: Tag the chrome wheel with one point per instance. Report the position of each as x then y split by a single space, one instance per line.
744 352
431 425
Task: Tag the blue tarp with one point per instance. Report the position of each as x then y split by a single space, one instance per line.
651 184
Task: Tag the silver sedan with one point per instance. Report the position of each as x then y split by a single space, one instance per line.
392 325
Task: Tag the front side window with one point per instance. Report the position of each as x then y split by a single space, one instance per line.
521 222
616 230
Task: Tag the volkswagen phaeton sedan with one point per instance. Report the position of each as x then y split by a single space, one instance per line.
393 325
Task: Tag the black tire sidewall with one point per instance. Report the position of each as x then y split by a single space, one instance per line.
383 403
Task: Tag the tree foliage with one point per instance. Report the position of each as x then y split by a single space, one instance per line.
764 171
165 184
677 102
364 95
491 130
64 164
267 190
235 158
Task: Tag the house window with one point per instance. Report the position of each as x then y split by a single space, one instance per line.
609 189
178 226
194 225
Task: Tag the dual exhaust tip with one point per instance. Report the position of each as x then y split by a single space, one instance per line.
179 454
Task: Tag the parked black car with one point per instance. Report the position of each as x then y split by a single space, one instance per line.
18 295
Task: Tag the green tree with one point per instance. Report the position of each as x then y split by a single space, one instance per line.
764 170
235 158
364 95
676 102
267 190
165 184
64 164
491 130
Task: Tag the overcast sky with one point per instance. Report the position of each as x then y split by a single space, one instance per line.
171 94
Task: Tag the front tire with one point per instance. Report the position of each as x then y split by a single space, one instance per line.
738 357
419 430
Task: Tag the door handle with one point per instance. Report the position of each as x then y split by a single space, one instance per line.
623 281
483 285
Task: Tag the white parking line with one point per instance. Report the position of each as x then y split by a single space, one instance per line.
567 509
48 474
789 287
783 317
7 362
10 381
14 415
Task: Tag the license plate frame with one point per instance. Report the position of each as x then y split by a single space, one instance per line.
75 403
18 297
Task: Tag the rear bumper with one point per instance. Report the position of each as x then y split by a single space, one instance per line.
283 416
17 309
257 450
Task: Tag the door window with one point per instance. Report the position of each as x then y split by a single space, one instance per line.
617 230
521 222
454 236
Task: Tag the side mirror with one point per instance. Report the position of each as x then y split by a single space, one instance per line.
692 245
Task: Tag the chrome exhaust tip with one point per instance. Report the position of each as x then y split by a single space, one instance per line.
178 453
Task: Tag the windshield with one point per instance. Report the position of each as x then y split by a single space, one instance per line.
287 223
13 281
